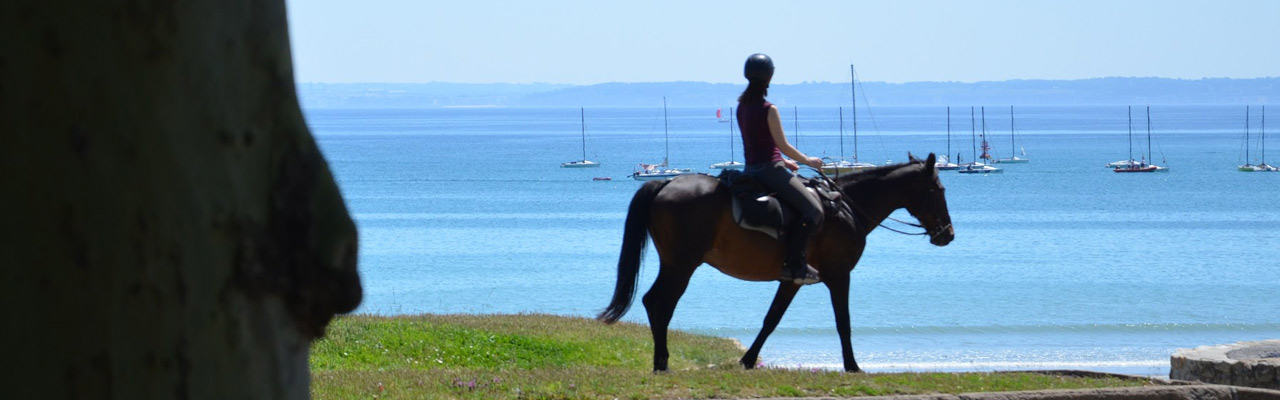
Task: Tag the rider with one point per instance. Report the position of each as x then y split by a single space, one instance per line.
763 144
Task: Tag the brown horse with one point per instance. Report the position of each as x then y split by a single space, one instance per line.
690 221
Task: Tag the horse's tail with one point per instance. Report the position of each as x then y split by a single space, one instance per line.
634 237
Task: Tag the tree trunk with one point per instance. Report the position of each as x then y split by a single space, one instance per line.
169 227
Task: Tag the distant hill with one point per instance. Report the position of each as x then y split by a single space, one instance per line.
1096 91
417 95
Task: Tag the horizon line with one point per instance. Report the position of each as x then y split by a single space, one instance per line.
781 84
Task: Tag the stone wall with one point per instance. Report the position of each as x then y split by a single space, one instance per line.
1252 364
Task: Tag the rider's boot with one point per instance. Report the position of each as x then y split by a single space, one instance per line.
795 268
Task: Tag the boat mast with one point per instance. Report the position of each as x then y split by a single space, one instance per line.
1013 152
730 135
1246 135
948 133
583 113
973 135
985 147
1131 136
853 92
1264 134
855 157
666 139
795 115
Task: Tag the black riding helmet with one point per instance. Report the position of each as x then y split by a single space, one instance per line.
759 66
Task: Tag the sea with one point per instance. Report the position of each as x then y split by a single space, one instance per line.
1059 263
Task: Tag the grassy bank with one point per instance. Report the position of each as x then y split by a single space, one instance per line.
542 356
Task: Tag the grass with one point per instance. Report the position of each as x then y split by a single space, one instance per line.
551 357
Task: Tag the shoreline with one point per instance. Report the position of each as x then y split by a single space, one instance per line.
1151 369
909 353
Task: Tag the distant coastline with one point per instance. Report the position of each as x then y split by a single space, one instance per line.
1096 91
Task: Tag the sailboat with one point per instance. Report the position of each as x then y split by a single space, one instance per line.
977 167
1140 166
973 138
943 163
841 165
1129 162
584 163
653 172
1261 167
731 164
1013 158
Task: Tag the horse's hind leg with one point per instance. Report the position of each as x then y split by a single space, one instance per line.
781 300
660 303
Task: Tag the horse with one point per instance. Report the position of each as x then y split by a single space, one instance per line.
689 219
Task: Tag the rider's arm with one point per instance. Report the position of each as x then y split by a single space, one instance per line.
780 140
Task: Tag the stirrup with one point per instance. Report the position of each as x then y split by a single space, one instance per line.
808 277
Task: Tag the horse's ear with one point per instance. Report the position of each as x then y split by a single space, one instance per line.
911 158
931 161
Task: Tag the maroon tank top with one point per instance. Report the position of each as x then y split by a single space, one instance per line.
757 141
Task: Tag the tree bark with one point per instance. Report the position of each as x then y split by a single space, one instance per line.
170 228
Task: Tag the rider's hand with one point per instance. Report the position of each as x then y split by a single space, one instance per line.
791 165
813 162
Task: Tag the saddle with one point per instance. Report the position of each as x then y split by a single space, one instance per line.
755 207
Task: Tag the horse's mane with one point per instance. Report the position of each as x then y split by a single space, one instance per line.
878 172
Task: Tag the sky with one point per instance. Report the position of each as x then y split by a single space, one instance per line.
589 42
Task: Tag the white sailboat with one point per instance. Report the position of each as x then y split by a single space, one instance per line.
1262 166
837 166
1121 164
1141 165
653 172
1130 162
584 163
1013 158
973 137
977 167
1151 155
943 162
731 164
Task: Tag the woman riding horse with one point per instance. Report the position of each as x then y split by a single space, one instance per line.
763 144
690 220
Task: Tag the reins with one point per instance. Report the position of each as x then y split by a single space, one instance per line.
849 201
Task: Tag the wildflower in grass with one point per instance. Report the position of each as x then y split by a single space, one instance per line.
468 384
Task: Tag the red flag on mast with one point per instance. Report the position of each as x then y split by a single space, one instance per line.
718 113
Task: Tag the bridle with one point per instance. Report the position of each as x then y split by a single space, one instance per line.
849 201
932 235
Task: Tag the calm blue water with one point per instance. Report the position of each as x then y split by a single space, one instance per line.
1059 263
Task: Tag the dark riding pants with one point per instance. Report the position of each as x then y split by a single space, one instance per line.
790 190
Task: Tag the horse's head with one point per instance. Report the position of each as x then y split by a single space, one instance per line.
928 202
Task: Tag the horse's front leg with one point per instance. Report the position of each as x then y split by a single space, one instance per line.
781 300
838 284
